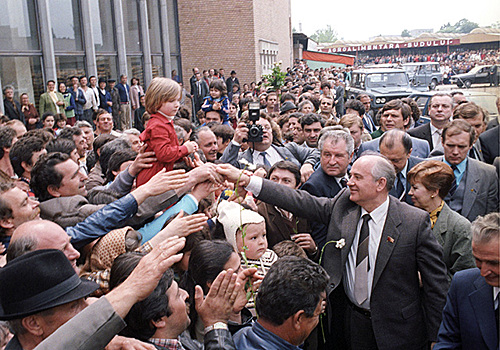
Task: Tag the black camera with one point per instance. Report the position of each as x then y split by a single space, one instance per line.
255 131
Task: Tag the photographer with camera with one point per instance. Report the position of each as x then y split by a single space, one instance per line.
259 134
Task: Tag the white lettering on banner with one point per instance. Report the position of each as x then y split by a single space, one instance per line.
390 46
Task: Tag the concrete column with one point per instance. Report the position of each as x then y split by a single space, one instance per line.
120 38
49 60
88 39
146 44
167 62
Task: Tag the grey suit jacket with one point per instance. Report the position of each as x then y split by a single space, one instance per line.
403 315
420 147
291 151
481 189
453 232
93 328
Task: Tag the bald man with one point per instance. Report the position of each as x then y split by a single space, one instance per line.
41 234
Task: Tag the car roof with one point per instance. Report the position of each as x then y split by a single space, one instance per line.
379 70
420 63
466 92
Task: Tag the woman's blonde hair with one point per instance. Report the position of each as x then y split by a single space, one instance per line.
161 90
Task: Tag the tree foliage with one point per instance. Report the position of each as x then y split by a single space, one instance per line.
463 26
405 33
325 35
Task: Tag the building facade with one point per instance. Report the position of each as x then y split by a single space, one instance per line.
246 36
43 40
55 39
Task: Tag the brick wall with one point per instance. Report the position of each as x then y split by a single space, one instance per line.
221 38
273 23
225 34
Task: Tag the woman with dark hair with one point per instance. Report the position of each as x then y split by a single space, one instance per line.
431 180
208 259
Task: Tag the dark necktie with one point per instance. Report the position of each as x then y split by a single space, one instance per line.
454 184
343 182
266 162
399 187
362 263
496 310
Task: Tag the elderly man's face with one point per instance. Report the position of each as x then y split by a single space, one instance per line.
334 158
488 260
207 141
50 322
397 155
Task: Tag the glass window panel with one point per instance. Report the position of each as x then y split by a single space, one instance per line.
24 74
102 24
131 21
154 26
173 28
106 67
175 65
66 27
18 25
158 66
68 66
134 68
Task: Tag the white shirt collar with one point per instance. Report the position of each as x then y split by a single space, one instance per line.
379 214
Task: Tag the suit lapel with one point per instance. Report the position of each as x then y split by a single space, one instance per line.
388 240
471 182
482 304
441 223
350 222
279 222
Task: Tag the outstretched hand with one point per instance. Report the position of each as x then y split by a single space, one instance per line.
217 306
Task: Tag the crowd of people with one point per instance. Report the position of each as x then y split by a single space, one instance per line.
236 216
455 62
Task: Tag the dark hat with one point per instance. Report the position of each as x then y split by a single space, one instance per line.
38 281
233 72
111 81
287 106
102 80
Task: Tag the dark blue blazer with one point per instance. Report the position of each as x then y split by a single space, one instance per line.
320 184
469 316
412 161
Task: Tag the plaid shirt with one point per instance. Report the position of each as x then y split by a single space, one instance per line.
167 344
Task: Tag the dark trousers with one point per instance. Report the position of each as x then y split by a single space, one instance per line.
359 330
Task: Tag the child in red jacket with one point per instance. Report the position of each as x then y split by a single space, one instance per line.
162 102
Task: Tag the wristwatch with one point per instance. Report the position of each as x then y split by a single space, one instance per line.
216 325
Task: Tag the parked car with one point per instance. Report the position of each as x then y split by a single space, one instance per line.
477 75
483 99
382 85
427 74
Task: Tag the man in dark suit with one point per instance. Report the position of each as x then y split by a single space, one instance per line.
200 92
475 189
267 153
440 111
231 81
336 148
396 145
11 106
374 297
470 317
490 144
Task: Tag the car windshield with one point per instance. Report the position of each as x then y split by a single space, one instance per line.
475 69
410 68
386 79
486 101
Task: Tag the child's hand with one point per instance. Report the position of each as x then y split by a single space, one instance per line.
191 146
216 106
